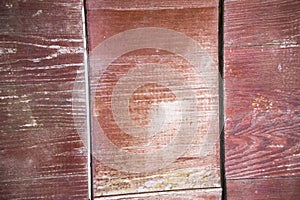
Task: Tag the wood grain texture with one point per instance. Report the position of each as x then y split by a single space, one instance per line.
261 83
148 5
41 49
262 23
192 169
262 112
261 189
204 194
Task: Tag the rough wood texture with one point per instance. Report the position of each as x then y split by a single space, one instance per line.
261 82
262 112
149 5
41 49
270 22
205 194
198 167
261 189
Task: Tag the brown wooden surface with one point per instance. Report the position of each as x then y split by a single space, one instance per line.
198 20
41 54
270 22
204 194
262 112
261 189
261 82
41 49
149 5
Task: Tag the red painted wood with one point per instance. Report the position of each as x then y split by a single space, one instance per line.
256 23
262 119
261 83
195 19
41 49
122 5
261 189
203 194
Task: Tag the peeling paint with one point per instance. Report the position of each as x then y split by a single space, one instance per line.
279 67
262 104
4 51
285 43
39 12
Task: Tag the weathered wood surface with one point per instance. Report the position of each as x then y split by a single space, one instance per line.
198 167
262 112
204 194
261 189
257 23
41 49
148 5
261 82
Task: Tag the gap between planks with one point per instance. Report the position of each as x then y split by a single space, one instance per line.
87 100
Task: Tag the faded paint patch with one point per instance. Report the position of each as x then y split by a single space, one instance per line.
39 12
262 104
5 51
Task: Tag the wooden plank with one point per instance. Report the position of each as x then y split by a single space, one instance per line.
147 5
261 84
278 188
145 170
271 22
41 49
204 194
262 112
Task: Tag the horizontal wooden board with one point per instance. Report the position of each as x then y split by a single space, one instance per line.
41 51
198 23
39 59
204 194
261 189
262 112
43 18
192 169
148 5
262 23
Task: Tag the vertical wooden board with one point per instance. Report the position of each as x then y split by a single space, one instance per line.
41 51
142 84
261 189
261 83
203 194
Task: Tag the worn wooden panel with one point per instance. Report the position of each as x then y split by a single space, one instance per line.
147 5
41 49
271 22
275 188
204 194
152 79
262 112
261 83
